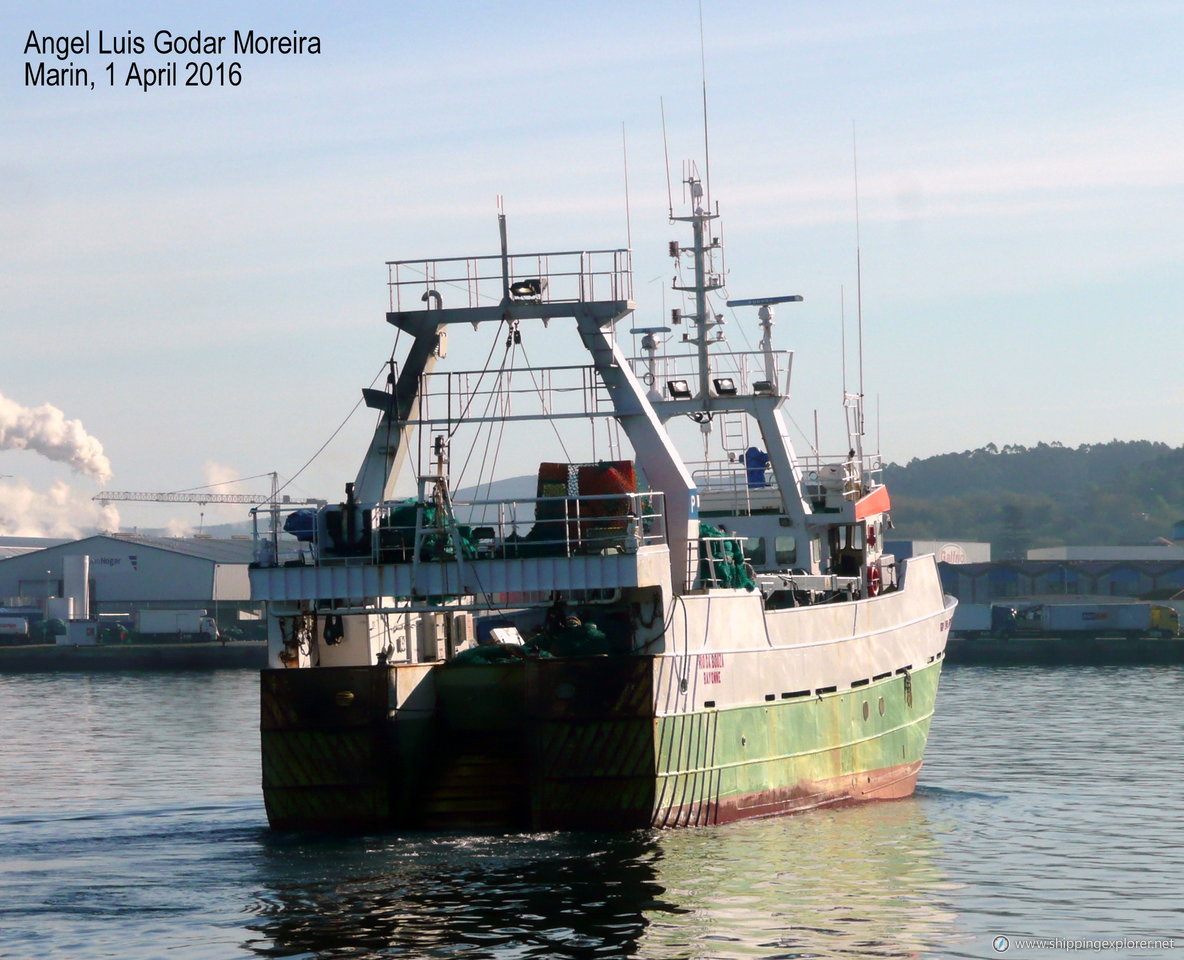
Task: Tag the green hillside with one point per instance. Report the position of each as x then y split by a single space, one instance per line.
1015 497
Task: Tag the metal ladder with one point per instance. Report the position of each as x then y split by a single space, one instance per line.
734 431
445 524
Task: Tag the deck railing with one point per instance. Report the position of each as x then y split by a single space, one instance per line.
517 528
569 276
408 531
749 370
710 561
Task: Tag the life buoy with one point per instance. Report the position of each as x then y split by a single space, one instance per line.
873 581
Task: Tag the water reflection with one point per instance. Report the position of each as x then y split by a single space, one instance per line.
548 895
852 882
860 881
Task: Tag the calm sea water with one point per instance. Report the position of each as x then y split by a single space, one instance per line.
132 827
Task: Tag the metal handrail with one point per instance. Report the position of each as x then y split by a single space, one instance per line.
727 476
579 529
571 390
695 558
578 276
745 366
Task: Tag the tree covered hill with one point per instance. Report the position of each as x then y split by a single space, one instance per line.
1121 492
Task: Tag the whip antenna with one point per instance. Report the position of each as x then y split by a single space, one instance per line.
666 151
858 274
706 142
843 336
625 156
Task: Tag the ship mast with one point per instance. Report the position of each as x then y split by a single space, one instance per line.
706 280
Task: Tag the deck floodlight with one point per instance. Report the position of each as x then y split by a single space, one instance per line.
678 389
529 289
725 386
762 388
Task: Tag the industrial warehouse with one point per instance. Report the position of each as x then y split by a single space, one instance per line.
160 586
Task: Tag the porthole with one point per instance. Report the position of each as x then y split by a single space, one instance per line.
881 706
867 710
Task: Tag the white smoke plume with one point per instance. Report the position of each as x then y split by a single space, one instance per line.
59 512
45 430
179 528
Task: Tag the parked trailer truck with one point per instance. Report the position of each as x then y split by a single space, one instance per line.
14 630
972 620
1134 619
174 624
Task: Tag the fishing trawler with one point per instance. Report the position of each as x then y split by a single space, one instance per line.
647 640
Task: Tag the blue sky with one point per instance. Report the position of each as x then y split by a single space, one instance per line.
197 274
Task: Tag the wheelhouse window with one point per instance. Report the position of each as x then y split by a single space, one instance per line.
754 551
786 550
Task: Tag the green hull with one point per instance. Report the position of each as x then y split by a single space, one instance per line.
860 744
569 744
